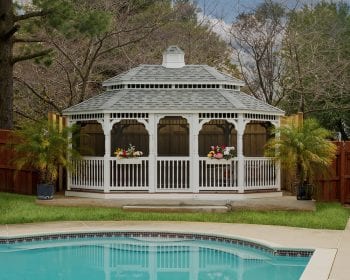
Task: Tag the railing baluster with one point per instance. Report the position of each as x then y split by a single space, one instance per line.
185 173
138 167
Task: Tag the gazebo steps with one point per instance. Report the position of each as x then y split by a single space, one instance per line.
177 208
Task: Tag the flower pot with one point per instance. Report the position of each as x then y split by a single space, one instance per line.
218 156
304 192
45 191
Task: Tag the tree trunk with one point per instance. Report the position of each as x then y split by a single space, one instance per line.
344 136
7 29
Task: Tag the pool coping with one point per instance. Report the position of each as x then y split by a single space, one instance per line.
319 266
272 250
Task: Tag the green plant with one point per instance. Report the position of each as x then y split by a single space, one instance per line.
44 147
17 209
303 151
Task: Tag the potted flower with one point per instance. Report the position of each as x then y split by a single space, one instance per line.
130 152
221 152
43 147
304 153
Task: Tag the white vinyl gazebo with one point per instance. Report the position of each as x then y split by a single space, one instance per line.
173 113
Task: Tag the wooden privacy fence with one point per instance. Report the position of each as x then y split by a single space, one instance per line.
335 186
11 180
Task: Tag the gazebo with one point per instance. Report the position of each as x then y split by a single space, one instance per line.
173 113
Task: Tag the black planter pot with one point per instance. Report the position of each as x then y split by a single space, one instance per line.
45 191
304 192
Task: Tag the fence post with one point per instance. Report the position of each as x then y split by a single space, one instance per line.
342 172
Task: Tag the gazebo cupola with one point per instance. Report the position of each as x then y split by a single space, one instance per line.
173 113
173 57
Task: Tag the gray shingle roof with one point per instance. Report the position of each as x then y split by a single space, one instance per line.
173 100
158 73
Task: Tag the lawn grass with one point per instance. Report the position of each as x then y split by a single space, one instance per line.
17 209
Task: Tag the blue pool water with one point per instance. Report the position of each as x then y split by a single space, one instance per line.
143 258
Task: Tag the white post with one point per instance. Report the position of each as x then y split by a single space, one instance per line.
69 173
106 170
277 163
240 132
194 157
152 164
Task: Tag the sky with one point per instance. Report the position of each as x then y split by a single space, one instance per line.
229 9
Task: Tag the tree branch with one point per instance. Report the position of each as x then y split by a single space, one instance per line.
30 56
31 15
24 115
68 58
10 33
48 101
28 40
127 43
327 109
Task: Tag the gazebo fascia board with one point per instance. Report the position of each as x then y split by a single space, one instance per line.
157 82
187 174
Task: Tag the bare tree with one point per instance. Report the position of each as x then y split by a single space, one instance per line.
256 38
316 61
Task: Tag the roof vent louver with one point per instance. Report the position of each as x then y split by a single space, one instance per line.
173 57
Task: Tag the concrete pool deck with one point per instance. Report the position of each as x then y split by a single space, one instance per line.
328 243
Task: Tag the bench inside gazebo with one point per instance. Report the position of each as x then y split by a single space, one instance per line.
173 113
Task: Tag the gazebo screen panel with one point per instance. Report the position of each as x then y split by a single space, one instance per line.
216 132
255 137
173 137
89 139
128 132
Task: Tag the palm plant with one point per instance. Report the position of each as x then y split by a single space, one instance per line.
44 147
303 151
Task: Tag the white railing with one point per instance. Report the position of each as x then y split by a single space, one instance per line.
173 174
217 174
259 173
129 174
87 173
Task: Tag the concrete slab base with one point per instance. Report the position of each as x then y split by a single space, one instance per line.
250 201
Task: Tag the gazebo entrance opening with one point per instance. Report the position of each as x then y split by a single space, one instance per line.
173 158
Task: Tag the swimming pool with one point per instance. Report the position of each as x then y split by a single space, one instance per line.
145 255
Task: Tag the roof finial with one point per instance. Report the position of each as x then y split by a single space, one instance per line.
173 57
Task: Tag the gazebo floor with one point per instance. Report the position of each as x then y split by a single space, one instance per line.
222 196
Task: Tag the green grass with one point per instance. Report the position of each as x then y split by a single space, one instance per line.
23 209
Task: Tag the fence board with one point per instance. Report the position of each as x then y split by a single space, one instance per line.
335 186
12 180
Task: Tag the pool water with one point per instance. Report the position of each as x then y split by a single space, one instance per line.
143 258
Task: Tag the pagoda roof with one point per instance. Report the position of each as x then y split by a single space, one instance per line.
201 74
173 100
